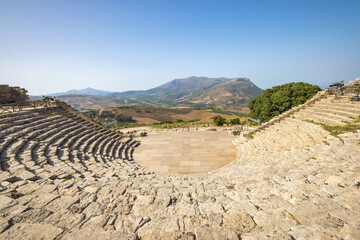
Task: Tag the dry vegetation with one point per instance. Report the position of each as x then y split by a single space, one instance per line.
337 130
159 117
148 115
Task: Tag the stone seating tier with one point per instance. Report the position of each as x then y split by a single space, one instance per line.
52 129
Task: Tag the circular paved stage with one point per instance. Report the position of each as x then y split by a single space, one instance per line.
185 152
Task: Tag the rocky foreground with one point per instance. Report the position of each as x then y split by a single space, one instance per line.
309 194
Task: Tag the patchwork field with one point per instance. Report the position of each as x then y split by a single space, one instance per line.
148 115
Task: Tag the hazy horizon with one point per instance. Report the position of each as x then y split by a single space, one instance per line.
323 87
55 46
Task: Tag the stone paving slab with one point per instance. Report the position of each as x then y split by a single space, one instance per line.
185 152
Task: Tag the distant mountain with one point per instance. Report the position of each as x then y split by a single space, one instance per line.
175 89
86 91
198 92
86 102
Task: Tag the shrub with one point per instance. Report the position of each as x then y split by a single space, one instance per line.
235 121
166 122
123 118
219 121
107 114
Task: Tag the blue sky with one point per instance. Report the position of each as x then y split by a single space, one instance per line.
53 46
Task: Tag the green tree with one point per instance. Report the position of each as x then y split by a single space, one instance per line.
123 118
219 120
276 100
166 122
235 121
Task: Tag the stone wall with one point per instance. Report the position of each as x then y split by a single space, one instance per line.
11 95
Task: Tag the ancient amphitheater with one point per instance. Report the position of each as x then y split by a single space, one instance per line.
64 176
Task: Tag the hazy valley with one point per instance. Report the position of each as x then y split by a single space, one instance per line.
195 92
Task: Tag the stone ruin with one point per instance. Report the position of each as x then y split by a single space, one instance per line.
352 88
64 176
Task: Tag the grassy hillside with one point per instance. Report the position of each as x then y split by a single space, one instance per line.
196 92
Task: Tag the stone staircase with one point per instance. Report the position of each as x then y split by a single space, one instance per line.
297 130
330 111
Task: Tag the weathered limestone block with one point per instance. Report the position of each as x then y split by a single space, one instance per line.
123 209
161 228
13 211
4 224
32 216
215 233
4 176
162 201
275 234
94 209
64 218
105 191
240 222
19 184
92 233
6 202
96 221
65 184
301 232
35 188
141 205
184 209
85 201
42 200
210 208
308 214
120 190
25 199
91 189
241 205
111 220
31 231
130 223
2 188
63 202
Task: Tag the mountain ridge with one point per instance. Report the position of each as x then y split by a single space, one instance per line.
86 91
193 87
193 91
